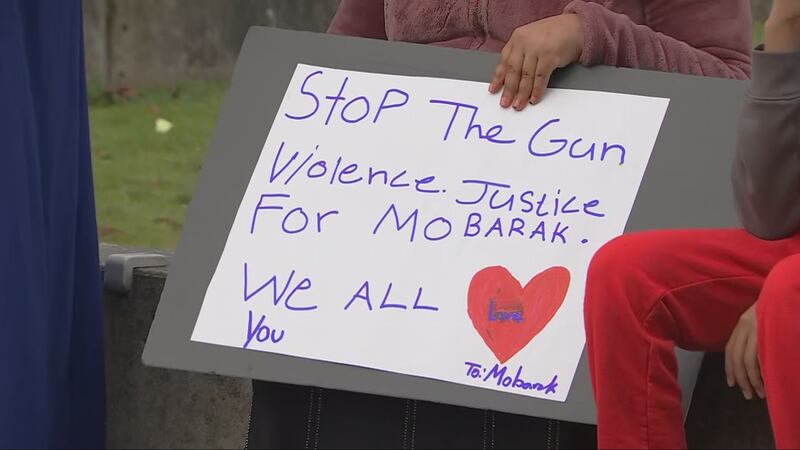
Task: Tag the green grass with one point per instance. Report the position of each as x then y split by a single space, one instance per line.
144 180
758 33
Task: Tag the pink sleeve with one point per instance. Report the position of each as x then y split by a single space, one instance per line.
698 37
363 18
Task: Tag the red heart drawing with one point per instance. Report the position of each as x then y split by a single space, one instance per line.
507 316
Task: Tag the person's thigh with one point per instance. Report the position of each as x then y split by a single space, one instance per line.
699 281
778 312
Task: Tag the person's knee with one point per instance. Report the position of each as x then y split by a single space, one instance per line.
622 266
781 292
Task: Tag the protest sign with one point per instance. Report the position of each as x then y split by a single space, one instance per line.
415 318
411 225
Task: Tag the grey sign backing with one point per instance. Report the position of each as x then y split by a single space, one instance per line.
686 185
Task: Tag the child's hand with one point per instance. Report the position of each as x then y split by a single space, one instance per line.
741 356
532 54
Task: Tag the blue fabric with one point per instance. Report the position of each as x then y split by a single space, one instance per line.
51 349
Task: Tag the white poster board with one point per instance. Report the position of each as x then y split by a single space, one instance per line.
411 225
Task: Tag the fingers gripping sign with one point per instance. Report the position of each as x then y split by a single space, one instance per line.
531 55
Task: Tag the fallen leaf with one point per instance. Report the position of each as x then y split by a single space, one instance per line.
163 126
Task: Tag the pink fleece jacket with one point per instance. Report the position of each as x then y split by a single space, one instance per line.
699 37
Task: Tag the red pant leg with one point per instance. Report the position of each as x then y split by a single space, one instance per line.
647 292
778 313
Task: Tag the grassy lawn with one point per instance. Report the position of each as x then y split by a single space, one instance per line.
758 33
144 180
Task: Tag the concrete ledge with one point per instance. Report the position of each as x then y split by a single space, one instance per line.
156 408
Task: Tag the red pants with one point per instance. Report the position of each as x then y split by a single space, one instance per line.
648 292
